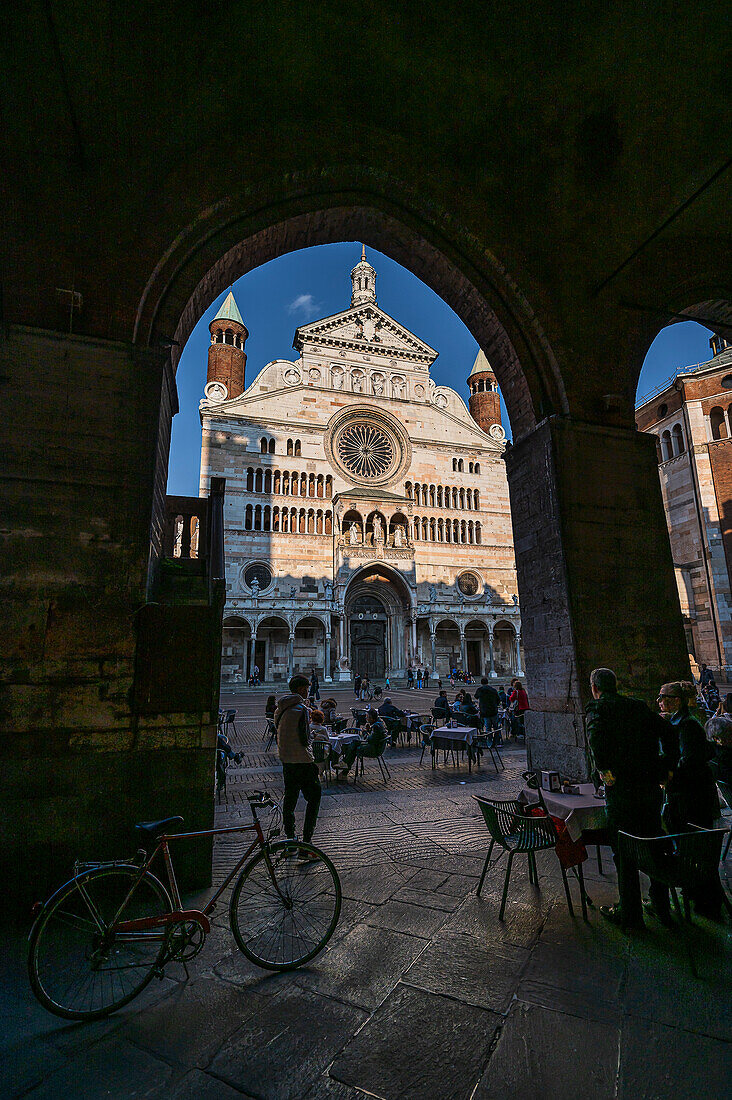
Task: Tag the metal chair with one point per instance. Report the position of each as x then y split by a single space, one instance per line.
229 721
518 834
589 836
725 792
485 742
377 754
271 735
685 860
321 751
394 727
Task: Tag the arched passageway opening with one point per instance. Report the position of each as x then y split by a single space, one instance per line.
378 613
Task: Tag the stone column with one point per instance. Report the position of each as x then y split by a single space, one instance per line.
463 649
519 670
595 575
414 637
326 668
490 651
432 647
291 655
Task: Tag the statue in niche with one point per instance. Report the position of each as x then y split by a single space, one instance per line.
328 591
254 587
433 593
378 531
398 537
378 384
357 382
353 538
515 600
337 376
293 591
397 387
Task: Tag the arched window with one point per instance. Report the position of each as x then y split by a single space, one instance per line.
258 482
439 496
263 446
463 532
408 489
448 531
268 481
303 485
320 486
229 336
477 467
666 447
470 467
329 523
248 518
678 439
275 519
424 495
476 498
460 465
432 496
478 535
276 485
440 531
454 498
716 420
298 448
462 499
271 446
250 479
289 447
266 518
469 499
319 522
311 522
303 530
454 465
416 529
258 517
470 531
432 530
425 534
328 487
311 485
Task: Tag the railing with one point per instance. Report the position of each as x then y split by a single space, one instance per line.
665 385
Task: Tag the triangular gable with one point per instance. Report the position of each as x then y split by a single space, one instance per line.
366 326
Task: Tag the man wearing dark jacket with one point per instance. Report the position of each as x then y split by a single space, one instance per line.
299 770
388 710
442 705
488 701
624 736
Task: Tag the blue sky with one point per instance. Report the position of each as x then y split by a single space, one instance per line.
315 282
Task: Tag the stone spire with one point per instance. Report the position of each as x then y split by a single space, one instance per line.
363 282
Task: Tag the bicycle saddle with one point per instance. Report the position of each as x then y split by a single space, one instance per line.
151 830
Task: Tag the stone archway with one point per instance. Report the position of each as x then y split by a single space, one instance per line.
236 649
378 611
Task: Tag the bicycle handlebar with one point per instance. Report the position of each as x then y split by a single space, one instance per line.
259 798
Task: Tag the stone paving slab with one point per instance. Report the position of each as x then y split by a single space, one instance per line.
418 1045
460 966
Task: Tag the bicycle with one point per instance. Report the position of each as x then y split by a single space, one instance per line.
100 939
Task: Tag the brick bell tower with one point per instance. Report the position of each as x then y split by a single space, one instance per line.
484 402
226 356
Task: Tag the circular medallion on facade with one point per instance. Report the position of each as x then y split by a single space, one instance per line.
441 401
469 584
419 391
257 576
368 445
215 391
496 432
292 376
314 374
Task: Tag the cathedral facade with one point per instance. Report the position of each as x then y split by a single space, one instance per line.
367 520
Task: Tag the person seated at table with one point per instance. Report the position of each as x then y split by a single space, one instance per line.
469 715
373 745
318 732
388 710
270 707
442 706
328 706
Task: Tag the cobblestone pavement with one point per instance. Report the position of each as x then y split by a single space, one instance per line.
421 993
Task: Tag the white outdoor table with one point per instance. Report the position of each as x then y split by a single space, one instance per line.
458 737
579 812
338 741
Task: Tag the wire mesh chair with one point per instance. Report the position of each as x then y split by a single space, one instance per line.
229 721
486 743
271 735
426 732
725 792
321 751
686 860
518 834
364 751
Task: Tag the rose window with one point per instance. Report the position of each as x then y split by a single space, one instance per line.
365 450
468 584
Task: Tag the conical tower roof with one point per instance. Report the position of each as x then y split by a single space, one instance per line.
481 365
229 310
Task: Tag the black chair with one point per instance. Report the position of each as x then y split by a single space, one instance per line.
426 732
484 742
686 860
589 836
394 726
321 751
366 751
518 834
725 792
229 721
338 724
271 735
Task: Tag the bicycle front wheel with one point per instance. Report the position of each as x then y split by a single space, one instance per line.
285 905
80 970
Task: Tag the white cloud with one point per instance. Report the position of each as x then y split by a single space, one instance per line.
304 306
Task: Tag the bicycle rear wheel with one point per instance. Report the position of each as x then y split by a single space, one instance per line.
285 905
79 970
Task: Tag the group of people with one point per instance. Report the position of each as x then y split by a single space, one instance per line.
485 708
418 678
657 777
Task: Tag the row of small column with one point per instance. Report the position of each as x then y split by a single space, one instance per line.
463 647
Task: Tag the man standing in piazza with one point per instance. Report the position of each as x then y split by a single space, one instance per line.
311 450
